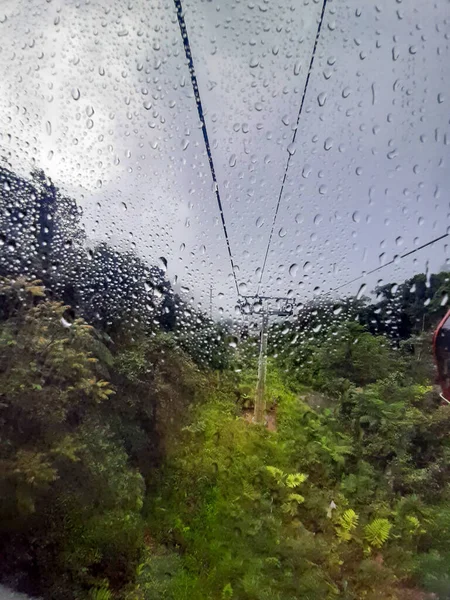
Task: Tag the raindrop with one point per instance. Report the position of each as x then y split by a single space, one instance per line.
293 269
318 219
254 62
328 143
307 266
297 68
162 263
399 241
356 217
48 128
306 171
346 92
232 161
444 300
322 98
292 148
361 291
259 222
440 98
282 233
184 144
76 93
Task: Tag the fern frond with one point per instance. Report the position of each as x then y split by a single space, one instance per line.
295 479
349 520
377 532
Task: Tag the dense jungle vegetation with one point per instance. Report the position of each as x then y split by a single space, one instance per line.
130 468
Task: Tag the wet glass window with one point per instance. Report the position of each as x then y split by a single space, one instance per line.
224 296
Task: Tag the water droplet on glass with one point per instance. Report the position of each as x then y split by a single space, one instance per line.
444 300
399 241
259 221
322 98
318 219
293 269
356 217
328 143
292 148
306 171
297 68
48 128
361 291
282 233
232 161
307 266
162 264
76 93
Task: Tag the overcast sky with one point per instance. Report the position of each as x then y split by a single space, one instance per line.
98 94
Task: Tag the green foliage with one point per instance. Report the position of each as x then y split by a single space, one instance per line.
130 473
100 594
347 523
377 532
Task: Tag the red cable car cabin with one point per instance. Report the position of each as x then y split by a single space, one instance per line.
441 349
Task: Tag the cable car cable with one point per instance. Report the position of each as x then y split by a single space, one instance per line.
319 27
198 101
389 263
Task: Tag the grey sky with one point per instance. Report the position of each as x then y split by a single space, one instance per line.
369 174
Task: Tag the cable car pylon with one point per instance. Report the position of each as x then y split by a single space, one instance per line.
261 305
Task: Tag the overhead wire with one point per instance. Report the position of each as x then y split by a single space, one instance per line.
311 63
198 101
189 57
363 275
